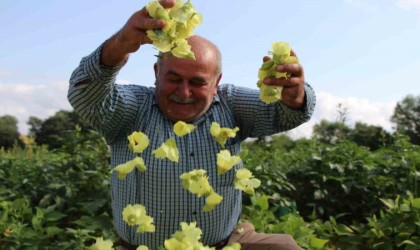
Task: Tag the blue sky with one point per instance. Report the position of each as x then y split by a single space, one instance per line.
363 54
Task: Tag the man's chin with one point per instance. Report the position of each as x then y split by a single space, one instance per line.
180 117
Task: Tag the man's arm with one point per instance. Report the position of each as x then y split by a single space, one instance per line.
296 107
93 92
116 50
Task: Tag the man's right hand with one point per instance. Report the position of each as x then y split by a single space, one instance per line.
129 39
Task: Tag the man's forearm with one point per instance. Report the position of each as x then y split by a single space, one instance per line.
113 54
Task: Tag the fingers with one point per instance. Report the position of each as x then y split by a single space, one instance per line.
295 71
141 20
293 93
167 3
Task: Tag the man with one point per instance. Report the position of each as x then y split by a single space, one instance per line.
185 90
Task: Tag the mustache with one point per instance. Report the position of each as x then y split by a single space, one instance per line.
180 100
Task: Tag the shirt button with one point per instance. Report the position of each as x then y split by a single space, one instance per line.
194 213
192 154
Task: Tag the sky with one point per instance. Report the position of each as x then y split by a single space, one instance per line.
362 54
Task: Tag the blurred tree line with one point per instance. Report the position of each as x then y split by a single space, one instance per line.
406 118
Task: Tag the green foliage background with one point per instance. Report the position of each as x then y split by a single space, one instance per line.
344 188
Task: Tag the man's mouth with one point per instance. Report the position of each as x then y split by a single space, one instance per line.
180 100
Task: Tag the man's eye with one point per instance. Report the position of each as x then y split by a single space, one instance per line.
198 82
175 79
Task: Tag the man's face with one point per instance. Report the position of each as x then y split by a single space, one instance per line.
185 87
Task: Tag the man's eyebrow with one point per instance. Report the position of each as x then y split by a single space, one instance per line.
196 79
171 72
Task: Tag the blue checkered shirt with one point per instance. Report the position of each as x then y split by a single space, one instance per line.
118 110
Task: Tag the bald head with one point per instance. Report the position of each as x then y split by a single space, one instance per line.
202 48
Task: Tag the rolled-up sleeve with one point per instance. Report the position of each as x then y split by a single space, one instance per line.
255 118
97 99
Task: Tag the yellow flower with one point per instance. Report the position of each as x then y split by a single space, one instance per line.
281 55
132 214
222 134
196 182
8 232
181 128
270 94
138 142
156 10
200 187
142 247
233 246
124 169
245 181
186 238
167 150
102 244
212 201
225 161
180 21
146 225
175 244
136 215
182 49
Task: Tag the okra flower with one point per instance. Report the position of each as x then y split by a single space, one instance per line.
281 55
181 128
124 169
212 201
196 182
245 181
136 215
186 238
222 134
180 22
138 142
102 244
225 161
167 150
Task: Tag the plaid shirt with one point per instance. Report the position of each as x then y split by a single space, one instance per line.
118 110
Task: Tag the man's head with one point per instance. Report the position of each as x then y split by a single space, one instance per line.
185 87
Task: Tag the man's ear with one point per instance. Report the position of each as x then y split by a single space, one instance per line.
156 69
217 84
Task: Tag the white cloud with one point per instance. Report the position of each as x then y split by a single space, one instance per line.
5 73
409 4
359 110
25 100
124 82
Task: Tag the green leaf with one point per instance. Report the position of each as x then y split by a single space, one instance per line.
318 243
243 154
55 216
406 242
416 203
51 231
388 202
261 201
405 208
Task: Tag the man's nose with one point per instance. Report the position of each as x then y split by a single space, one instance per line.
184 90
